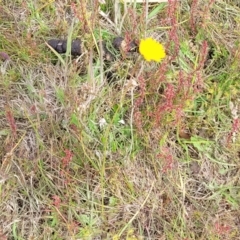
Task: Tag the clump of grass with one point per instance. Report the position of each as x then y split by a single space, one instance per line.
151 154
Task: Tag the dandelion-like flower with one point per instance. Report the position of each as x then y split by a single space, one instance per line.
152 50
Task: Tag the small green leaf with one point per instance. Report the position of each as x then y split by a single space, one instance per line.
156 10
74 119
60 95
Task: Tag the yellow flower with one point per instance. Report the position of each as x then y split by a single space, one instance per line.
152 50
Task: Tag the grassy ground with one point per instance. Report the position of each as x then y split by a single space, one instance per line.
153 155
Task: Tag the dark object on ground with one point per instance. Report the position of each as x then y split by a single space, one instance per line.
107 55
61 46
127 48
121 44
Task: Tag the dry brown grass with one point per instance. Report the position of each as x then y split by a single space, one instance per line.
166 163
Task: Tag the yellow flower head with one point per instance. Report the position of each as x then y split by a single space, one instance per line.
152 50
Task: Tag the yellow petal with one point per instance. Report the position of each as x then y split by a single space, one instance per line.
151 50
